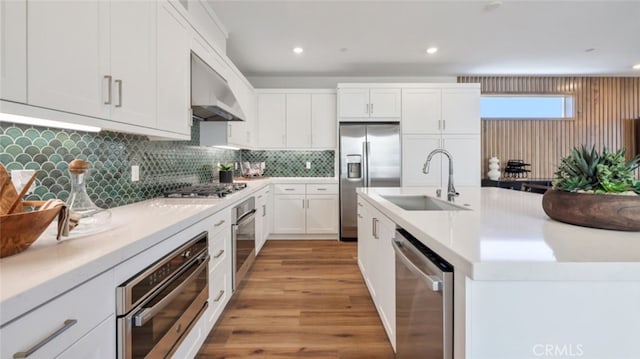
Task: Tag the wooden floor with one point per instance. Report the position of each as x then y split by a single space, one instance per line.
300 299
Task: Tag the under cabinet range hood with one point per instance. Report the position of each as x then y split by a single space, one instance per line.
211 96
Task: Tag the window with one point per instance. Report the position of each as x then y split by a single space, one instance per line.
526 106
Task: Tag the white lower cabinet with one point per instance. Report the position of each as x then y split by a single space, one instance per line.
377 263
53 327
290 213
93 345
305 209
263 217
220 266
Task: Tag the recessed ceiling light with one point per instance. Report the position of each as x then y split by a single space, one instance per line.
432 50
493 5
636 67
298 50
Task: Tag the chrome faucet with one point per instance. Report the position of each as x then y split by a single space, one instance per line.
451 190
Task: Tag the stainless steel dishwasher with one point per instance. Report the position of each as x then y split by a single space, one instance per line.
424 300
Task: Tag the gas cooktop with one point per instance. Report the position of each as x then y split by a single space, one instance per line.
206 190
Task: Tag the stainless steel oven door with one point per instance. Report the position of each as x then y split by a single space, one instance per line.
244 245
157 326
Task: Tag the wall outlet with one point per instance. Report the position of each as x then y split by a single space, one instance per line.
135 173
307 165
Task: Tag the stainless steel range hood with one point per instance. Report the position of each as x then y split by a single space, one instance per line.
211 96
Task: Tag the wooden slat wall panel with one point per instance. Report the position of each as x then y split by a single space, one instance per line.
604 111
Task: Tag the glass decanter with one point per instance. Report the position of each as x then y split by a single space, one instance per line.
91 218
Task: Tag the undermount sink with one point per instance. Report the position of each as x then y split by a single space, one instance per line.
422 203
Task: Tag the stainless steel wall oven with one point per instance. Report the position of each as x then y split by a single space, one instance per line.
157 307
244 238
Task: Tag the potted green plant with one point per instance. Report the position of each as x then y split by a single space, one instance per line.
226 172
595 189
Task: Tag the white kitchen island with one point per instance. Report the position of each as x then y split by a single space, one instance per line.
526 286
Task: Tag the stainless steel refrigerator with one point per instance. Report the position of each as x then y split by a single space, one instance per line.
369 157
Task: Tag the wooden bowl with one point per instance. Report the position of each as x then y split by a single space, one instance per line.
20 230
605 211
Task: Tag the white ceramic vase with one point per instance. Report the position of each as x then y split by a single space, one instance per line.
494 169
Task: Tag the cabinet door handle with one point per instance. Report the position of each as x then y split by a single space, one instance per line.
264 210
359 204
444 124
373 228
220 294
219 254
359 215
219 223
371 109
303 203
119 84
67 324
366 108
109 80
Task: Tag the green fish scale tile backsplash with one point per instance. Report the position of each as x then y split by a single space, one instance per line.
292 163
164 165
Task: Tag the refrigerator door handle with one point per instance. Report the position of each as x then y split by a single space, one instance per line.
365 165
367 149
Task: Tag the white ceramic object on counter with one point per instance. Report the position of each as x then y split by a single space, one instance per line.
494 169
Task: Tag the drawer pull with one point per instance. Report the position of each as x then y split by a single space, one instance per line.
359 204
289 189
219 223
219 254
220 294
67 324
321 189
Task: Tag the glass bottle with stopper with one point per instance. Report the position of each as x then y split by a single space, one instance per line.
90 217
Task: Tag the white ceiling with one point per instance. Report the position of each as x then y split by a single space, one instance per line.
389 38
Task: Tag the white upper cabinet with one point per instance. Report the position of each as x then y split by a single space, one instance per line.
369 103
384 103
271 120
174 71
323 121
133 62
461 111
446 110
298 120
68 56
354 103
13 51
421 110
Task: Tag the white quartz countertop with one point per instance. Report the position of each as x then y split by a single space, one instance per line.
304 180
507 236
49 268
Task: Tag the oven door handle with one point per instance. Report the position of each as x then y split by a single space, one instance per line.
143 316
246 217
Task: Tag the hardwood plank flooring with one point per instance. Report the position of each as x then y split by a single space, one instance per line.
301 299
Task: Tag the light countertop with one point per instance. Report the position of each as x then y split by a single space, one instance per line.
49 268
507 236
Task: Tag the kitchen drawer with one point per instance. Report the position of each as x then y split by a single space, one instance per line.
220 221
294 188
64 320
328 188
219 292
219 247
